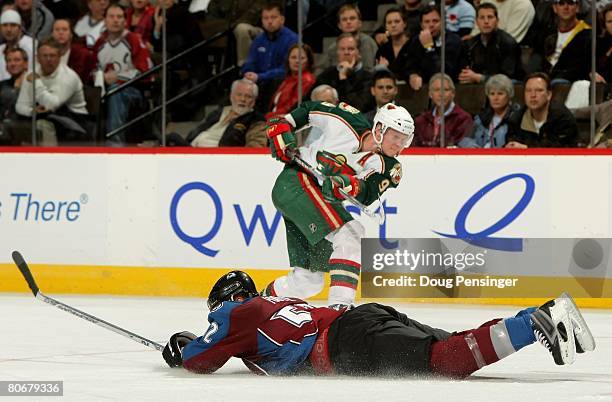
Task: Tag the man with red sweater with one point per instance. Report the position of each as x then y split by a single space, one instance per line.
121 56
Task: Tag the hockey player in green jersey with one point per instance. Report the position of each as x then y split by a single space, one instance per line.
361 160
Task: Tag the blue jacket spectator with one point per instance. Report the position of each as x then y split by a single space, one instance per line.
269 50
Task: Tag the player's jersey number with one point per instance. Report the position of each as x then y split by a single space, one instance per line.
294 315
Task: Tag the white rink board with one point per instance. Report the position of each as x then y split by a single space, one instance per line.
124 205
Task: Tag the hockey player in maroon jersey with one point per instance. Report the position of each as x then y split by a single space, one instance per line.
282 336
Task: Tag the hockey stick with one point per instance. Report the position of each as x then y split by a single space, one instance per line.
380 215
27 275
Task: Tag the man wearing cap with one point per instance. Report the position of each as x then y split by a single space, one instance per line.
566 51
11 31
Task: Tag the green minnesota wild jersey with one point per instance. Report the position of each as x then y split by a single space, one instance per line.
341 129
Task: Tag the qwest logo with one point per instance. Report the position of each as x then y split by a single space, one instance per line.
248 224
484 238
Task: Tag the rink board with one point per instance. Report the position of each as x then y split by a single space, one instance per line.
169 222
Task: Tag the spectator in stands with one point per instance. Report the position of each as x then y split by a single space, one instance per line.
425 50
349 21
17 66
325 93
242 15
515 17
236 125
566 50
265 64
10 30
44 19
460 16
286 96
59 92
139 19
393 54
412 16
542 123
91 25
383 89
457 122
348 76
492 51
604 46
75 55
121 56
492 124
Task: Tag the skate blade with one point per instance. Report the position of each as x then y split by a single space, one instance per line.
584 336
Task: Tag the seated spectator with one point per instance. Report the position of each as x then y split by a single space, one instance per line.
268 53
457 122
384 90
460 16
286 96
411 11
74 54
10 30
59 93
240 15
566 50
139 19
325 93
348 75
44 19
491 125
393 54
542 123
349 21
236 125
121 56
425 50
91 25
17 66
492 51
604 46
515 17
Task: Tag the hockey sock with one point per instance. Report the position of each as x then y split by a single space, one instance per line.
467 351
344 276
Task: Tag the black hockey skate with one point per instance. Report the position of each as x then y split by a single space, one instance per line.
582 334
551 324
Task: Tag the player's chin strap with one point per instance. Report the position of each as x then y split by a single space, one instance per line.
378 214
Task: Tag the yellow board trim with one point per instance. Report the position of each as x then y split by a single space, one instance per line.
192 282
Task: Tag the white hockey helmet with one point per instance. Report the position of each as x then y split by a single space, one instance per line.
395 117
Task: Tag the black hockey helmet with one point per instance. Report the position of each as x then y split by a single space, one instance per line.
230 285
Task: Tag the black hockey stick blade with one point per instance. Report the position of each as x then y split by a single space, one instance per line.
25 271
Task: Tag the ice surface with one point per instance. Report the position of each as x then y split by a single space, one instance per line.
41 343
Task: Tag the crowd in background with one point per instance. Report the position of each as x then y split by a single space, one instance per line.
521 54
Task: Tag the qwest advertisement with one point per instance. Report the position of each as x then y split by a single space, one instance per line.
215 211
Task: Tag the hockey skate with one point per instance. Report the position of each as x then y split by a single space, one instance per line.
582 334
553 328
